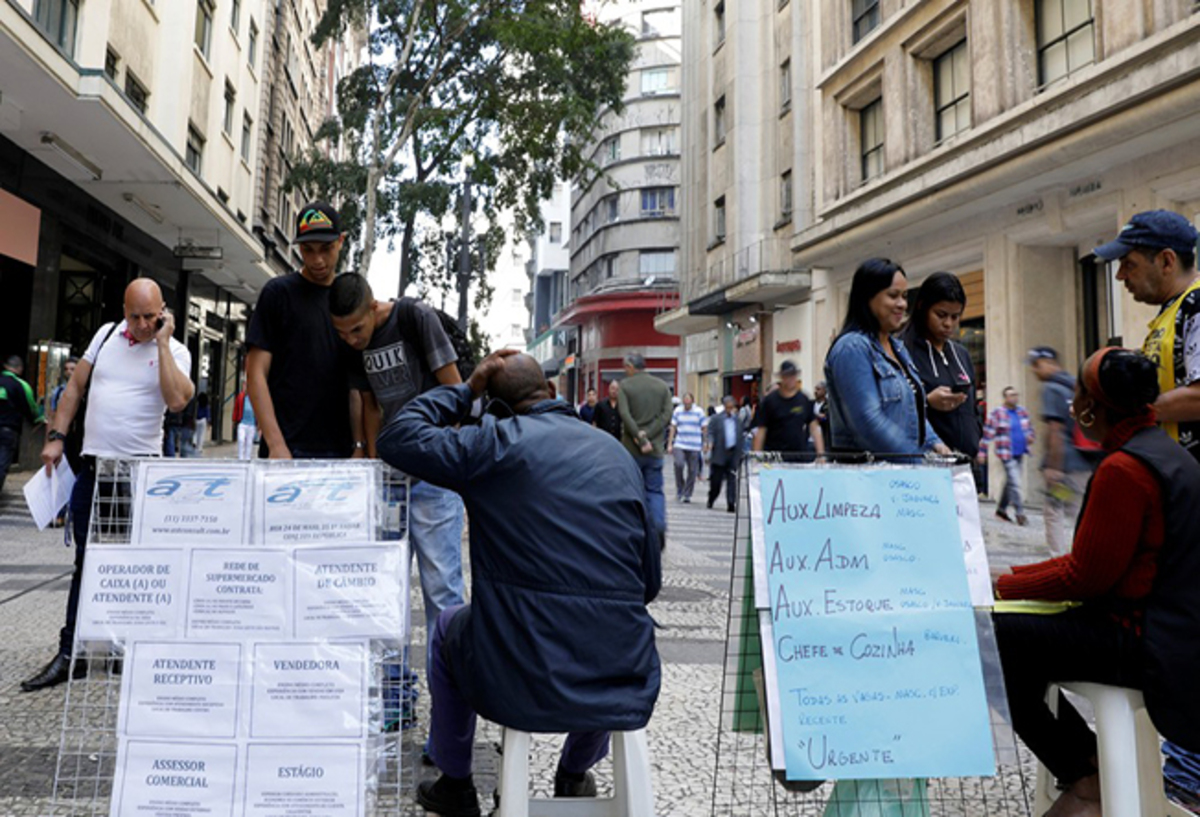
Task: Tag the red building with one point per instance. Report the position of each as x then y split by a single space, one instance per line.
609 325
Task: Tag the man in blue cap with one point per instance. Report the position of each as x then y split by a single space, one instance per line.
1157 251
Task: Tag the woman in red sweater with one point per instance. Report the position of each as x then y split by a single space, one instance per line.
1111 570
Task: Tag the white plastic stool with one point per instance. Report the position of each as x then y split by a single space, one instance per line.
1130 755
633 795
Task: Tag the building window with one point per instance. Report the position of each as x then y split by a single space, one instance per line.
195 149
1065 38
204 23
235 15
657 263
136 92
58 19
785 195
517 296
952 91
659 141
230 108
610 208
222 195
252 46
866 17
785 85
556 232
247 135
611 149
719 121
610 266
655 81
719 219
719 22
660 23
111 64
870 127
658 202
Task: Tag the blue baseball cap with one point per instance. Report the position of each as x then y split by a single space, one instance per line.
1155 229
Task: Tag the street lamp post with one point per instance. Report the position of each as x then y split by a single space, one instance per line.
464 253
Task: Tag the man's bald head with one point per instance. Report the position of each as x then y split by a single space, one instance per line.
519 382
143 308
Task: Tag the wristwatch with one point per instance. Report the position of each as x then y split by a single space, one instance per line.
54 434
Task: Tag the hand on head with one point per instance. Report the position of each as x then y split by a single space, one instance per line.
487 369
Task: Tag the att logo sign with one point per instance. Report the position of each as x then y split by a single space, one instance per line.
208 485
332 490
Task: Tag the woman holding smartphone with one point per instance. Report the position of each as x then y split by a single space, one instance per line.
943 364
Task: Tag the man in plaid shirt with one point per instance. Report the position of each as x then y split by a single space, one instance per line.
1010 427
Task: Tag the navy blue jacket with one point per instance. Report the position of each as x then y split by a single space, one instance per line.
563 563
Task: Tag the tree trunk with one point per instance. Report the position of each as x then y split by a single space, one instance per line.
406 255
368 227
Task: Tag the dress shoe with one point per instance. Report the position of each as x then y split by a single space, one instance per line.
710 504
55 673
574 785
449 797
731 509
1003 515
1022 519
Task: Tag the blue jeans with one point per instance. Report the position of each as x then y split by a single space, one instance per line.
1012 486
8 451
435 525
652 483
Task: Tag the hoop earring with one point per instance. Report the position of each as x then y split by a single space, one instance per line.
1086 418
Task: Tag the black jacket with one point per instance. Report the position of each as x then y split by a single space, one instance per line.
719 454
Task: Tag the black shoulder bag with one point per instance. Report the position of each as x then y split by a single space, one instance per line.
73 445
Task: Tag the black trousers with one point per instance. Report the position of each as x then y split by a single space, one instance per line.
1081 644
722 474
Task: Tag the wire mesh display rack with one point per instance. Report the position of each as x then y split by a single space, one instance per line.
84 773
744 784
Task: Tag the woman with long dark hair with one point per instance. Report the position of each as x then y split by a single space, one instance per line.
876 400
1133 566
943 364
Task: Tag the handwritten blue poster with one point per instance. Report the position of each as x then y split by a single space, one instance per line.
878 667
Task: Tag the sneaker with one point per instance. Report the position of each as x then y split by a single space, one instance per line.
449 798
574 785
1022 519
1000 514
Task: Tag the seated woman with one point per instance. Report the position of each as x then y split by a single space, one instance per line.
1133 567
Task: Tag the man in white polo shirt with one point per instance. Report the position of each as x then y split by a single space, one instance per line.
137 372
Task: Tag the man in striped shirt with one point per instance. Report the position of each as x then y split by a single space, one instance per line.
685 443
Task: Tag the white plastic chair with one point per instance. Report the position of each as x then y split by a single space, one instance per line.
1130 755
633 794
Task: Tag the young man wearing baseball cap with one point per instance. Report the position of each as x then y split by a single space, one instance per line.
1157 254
295 373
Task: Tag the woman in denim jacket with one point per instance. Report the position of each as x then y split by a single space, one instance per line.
876 401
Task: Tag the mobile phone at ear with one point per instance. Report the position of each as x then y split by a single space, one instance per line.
158 324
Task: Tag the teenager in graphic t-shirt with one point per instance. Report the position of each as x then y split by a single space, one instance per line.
295 374
400 351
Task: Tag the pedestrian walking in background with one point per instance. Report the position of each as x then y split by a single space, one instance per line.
295 372
1157 254
17 404
247 428
1134 567
55 395
645 405
200 432
821 409
131 373
943 364
684 444
876 400
587 410
726 430
1010 428
608 413
1065 470
786 420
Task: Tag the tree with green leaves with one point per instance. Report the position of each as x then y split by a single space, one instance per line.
518 84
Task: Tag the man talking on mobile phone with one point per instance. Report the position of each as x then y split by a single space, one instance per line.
131 374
